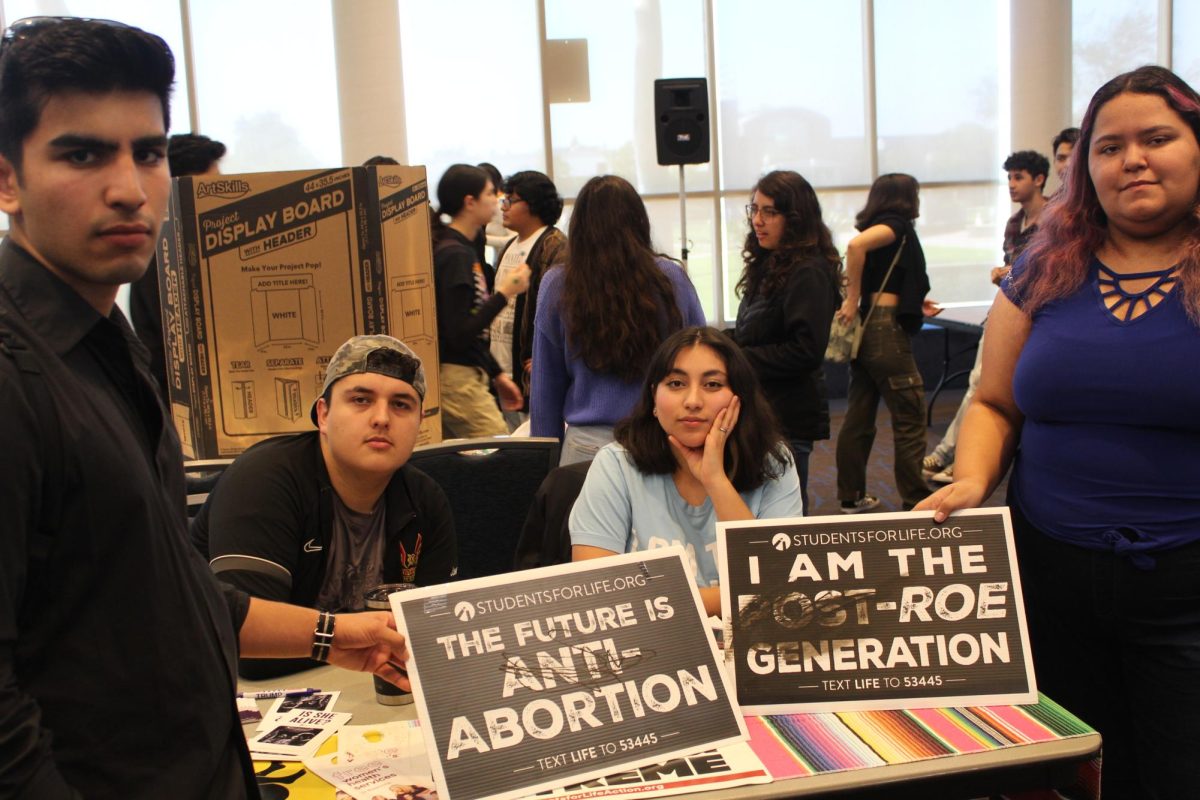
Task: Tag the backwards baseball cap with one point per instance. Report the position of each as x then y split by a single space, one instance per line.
376 353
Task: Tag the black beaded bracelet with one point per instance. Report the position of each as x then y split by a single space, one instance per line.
323 637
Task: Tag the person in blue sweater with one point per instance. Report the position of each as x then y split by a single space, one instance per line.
702 446
1090 389
600 317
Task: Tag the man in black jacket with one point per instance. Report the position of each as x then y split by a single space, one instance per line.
317 518
117 647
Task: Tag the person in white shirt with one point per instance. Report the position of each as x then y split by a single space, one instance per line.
531 206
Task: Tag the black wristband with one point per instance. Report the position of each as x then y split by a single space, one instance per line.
323 637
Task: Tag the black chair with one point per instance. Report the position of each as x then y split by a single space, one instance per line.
546 537
199 478
490 483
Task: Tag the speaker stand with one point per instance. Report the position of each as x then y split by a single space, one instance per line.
683 218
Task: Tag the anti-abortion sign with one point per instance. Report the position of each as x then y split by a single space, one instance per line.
874 611
537 679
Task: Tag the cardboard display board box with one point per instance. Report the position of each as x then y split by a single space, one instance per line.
263 276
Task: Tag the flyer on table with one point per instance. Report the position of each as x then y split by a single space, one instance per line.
874 611
537 679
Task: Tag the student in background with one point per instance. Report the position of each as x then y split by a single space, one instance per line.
790 289
601 316
187 154
885 367
1027 172
702 446
1062 147
467 302
531 206
194 154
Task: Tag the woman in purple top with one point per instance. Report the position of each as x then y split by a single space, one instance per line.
1091 387
600 317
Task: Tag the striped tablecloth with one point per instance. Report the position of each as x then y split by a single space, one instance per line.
796 745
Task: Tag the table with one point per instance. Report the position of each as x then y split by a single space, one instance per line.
1011 769
966 317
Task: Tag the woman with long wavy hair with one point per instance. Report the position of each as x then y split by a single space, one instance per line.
701 446
885 278
601 316
1090 389
790 289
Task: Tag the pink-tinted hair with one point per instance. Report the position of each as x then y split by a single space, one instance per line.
1073 225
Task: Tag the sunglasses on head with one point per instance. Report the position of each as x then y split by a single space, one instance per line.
30 26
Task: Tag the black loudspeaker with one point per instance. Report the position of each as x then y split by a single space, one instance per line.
681 120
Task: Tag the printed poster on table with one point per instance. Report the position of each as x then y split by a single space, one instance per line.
874 611
542 678
720 768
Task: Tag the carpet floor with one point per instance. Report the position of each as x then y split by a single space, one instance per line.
822 478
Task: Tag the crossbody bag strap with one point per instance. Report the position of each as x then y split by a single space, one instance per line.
887 277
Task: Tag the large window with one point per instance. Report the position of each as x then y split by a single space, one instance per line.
630 44
1110 37
840 92
266 82
472 84
937 95
937 67
961 230
941 125
1185 47
791 91
775 113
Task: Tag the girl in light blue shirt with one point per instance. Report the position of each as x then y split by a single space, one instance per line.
702 446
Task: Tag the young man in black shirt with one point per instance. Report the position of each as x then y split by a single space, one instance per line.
107 613
318 518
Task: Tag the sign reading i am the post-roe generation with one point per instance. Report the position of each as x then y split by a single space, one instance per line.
536 679
875 611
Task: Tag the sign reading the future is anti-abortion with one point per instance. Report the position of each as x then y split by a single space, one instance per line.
873 612
537 679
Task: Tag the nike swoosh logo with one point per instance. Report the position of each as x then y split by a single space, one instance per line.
311 546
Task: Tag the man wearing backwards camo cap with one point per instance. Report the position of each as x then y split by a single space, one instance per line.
315 518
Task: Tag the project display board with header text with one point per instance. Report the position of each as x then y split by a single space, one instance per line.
263 276
538 679
875 611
